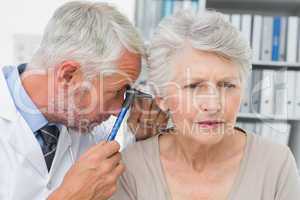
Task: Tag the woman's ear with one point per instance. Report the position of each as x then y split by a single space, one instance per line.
160 101
68 73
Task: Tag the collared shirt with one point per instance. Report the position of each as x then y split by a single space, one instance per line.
28 110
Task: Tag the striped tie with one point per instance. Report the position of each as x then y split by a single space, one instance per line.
49 135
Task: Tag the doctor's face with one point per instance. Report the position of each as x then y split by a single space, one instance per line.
104 95
204 96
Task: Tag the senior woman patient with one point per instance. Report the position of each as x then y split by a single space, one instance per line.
198 64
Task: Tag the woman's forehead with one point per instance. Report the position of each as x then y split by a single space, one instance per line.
196 64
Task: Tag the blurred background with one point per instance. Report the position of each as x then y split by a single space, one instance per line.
272 27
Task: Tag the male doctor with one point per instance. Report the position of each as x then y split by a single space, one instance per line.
88 55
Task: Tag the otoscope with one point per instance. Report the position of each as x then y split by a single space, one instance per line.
129 97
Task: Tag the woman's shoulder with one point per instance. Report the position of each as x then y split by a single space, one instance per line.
266 147
141 153
269 156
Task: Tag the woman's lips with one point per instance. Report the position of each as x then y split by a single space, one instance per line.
209 124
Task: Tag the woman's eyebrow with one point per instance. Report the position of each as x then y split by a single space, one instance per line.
230 78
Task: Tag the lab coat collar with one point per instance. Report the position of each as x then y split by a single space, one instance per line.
8 110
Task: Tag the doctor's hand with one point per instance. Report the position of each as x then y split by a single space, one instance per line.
94 175
146 118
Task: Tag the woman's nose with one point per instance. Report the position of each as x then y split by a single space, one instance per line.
211 105
211 101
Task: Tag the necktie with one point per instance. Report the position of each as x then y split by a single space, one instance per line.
49 135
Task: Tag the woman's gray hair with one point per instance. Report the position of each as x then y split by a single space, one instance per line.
206 31
91 33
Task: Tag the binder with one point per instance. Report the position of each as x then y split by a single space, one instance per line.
245 106
195 5
280 93
226 17
246 26
258 128
256 37
283 39
266 49
281 133
255 96
292 39
290 104
297 96
167 7
276 38
267 92
178 5
236 21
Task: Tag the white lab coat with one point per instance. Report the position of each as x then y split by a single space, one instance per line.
23 171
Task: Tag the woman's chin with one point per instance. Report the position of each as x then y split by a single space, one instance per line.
207 137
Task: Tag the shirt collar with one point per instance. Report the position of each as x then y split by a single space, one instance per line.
28 110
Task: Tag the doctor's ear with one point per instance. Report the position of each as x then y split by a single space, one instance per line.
69 73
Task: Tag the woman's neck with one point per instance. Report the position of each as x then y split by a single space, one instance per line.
186 149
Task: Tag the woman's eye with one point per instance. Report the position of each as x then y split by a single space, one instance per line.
229 85
192 86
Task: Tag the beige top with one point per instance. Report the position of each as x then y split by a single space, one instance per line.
268 172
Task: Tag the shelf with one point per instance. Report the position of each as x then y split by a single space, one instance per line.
265 6
276 64
256 117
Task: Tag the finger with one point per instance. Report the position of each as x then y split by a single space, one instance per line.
119 170
114 160
106 149
108 165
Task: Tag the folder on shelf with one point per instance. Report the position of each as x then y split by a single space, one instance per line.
245 105
267 92
292 39
283 38
167 7
266 48
291 90
278 132
276 38
255 94
256 37
246 26
236 21
258 128
281 132
249 127
178 5
280 93
226 17
297 96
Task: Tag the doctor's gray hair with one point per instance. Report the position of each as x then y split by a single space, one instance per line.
91 33
207 31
